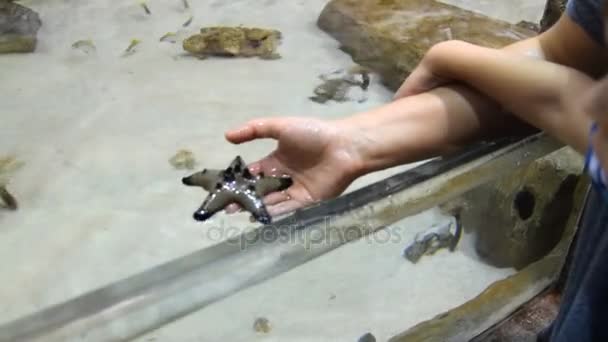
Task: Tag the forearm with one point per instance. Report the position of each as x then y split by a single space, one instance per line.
424 126
542 94
431 124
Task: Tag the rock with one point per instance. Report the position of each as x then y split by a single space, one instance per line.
338 86
262 325
527 322
368 337
518 219
529 25
8 200
553 11
8 166
183 159
234 41
504 297
391 36
18 28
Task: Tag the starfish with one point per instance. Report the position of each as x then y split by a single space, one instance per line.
235 184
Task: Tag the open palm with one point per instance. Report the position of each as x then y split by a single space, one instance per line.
317 154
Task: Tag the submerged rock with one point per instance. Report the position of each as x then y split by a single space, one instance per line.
8 165
518 219
8 200
19 26
234 42
339 85
391 36
368 337
529 25
262 325
86 46
505 296
183 159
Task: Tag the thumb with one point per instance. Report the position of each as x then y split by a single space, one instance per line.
255 129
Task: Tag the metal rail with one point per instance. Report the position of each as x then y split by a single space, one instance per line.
148 300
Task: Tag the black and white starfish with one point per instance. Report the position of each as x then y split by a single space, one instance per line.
236 184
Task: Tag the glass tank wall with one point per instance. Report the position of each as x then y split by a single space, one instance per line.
96 119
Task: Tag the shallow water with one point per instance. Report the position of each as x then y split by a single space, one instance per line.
99 200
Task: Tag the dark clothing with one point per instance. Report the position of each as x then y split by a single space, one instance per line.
583 313
588 15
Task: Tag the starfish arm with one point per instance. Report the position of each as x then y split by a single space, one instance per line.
415 251
237 165
215 202
206 179
267 185
254 204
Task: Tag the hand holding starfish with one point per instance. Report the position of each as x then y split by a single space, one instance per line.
319 156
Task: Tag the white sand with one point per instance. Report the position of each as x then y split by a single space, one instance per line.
100 202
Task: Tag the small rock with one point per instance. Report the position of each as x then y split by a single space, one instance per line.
19 26
527 210
86 46
529 25
8 166
262 325
234 41
8 200
340 86
183 159
369 337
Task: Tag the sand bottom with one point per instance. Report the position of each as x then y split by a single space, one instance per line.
99 200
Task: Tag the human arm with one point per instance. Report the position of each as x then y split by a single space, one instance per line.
408 129
448 117
544 94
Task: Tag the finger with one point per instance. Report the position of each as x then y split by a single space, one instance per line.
276 197
284 207
255 129
255 167
270 200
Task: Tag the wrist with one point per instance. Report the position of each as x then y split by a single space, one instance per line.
357 144
399 132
